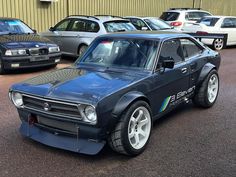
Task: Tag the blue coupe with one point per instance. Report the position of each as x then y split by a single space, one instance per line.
115 90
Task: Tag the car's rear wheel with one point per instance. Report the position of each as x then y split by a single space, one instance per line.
208 92
218 44
132 133
82 49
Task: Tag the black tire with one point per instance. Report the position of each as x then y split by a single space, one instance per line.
218 44
82 49
2 70
54 65
201 97
119 139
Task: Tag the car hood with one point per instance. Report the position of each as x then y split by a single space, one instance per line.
23 41
78 85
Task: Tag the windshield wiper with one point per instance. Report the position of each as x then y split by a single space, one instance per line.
165 28
120 30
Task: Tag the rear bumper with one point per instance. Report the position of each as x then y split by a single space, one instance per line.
12 63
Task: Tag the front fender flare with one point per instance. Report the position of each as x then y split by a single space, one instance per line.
127 100
204 72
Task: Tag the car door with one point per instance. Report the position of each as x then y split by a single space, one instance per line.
80 32
229 26
194 56
57 31
170 85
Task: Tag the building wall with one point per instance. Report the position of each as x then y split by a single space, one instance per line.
41 16
218 7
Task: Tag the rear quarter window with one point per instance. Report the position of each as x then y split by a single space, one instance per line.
209 21
190 49
119 26
169 16
195 16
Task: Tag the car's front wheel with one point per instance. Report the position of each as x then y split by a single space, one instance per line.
132 133
207 94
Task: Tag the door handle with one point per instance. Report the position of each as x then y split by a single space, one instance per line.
184 70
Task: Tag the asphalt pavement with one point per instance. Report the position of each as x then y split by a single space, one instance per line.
190 141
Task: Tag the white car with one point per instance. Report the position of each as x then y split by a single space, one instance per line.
218 25
182 17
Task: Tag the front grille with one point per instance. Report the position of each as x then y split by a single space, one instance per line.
52 107
38 51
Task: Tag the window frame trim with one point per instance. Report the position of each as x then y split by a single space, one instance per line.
83 20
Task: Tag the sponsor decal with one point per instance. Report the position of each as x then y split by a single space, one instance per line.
165 104
176 99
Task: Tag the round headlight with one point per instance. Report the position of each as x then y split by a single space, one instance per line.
90 114
17 99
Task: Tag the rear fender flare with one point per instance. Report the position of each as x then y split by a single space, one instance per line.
204 72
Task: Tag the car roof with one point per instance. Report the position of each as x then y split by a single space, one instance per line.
147 34
8 18
220 16
102 18
186 10
139 17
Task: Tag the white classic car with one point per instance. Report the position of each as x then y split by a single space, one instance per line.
218 25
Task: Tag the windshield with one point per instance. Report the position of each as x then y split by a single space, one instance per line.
169 16
157 24
208 21
12 26
127 53
116 26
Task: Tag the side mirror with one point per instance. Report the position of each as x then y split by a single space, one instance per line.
168 63
51 29
144 28
35 31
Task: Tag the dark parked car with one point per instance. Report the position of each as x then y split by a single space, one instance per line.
115 91
21 47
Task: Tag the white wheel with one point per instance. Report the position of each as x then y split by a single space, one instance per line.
218 44
207 93
213 86
132 132
139 127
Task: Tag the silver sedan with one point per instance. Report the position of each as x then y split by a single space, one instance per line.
74 33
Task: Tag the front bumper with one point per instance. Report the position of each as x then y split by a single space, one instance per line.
74 144
62 134
17 62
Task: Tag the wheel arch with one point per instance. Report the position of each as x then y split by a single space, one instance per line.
126 100
80 45
205 71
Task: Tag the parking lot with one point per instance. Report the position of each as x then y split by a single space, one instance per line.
188 142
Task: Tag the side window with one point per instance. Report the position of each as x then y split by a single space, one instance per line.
229 23
92 27
195 15
63 25
138 23
190 49
78 25
171 49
